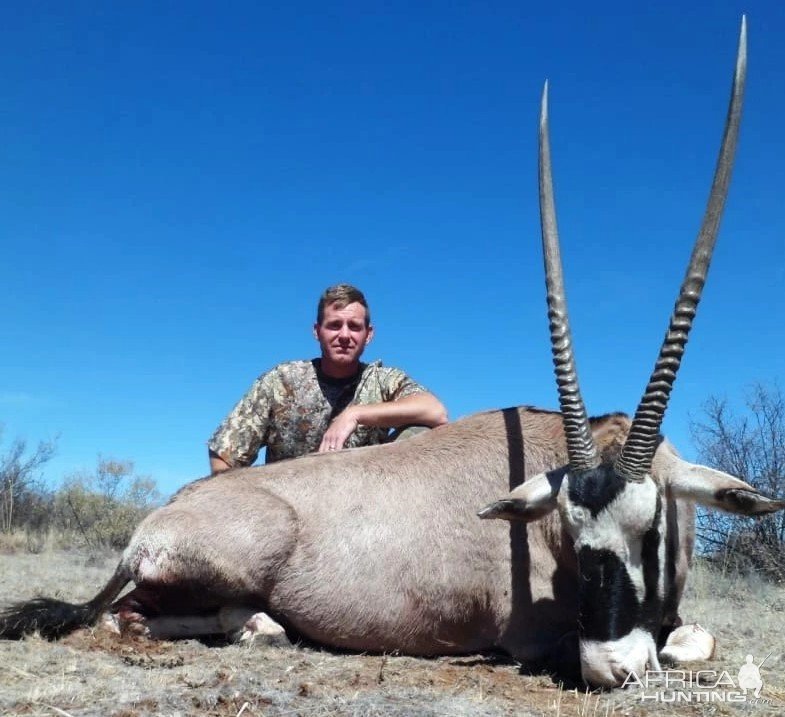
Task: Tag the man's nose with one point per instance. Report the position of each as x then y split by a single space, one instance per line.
344 333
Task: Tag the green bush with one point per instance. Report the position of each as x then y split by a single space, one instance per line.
104 508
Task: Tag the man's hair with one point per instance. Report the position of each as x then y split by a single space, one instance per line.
342 295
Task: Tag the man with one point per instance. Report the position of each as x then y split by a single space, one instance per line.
327 403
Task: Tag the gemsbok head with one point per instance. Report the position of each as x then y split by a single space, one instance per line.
613 510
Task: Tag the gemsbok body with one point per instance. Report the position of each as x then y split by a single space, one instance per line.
381 548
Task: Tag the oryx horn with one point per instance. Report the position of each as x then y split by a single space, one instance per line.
580 444
636 457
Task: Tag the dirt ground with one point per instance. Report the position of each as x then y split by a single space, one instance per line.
94 672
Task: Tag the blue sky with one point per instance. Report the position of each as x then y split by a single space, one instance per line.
181 180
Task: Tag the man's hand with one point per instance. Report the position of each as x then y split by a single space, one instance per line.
420 409
343 425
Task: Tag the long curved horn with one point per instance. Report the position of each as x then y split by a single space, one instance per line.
638 452
580 444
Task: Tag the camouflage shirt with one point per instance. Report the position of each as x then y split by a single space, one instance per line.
289 408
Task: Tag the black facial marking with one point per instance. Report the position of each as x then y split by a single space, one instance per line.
609 607
585 490
651 610
670 607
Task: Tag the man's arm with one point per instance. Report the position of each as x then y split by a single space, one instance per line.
421 409
236 442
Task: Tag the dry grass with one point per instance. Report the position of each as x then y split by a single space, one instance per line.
95 673
39 541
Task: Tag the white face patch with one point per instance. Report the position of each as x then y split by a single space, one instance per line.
618 527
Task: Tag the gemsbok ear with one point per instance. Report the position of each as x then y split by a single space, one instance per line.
528 502
715 489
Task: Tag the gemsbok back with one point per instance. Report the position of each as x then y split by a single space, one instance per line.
380 548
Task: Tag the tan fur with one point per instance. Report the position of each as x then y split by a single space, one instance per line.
380 548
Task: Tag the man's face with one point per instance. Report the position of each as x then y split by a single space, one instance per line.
343 334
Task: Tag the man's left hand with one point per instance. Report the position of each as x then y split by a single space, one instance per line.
343 425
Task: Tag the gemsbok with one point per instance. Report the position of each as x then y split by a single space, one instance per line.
380 548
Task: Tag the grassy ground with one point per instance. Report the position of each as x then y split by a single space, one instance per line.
93 672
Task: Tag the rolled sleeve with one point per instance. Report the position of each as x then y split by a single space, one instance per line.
244 431
396 385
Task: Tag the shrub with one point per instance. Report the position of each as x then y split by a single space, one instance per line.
21 488
105 507
748 443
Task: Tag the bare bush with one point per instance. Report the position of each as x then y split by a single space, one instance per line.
97 510
23 496
750 444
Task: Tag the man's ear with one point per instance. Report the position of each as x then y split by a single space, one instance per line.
316 330
530 501
715 489
370 335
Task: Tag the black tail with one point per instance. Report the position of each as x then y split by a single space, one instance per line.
55 618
